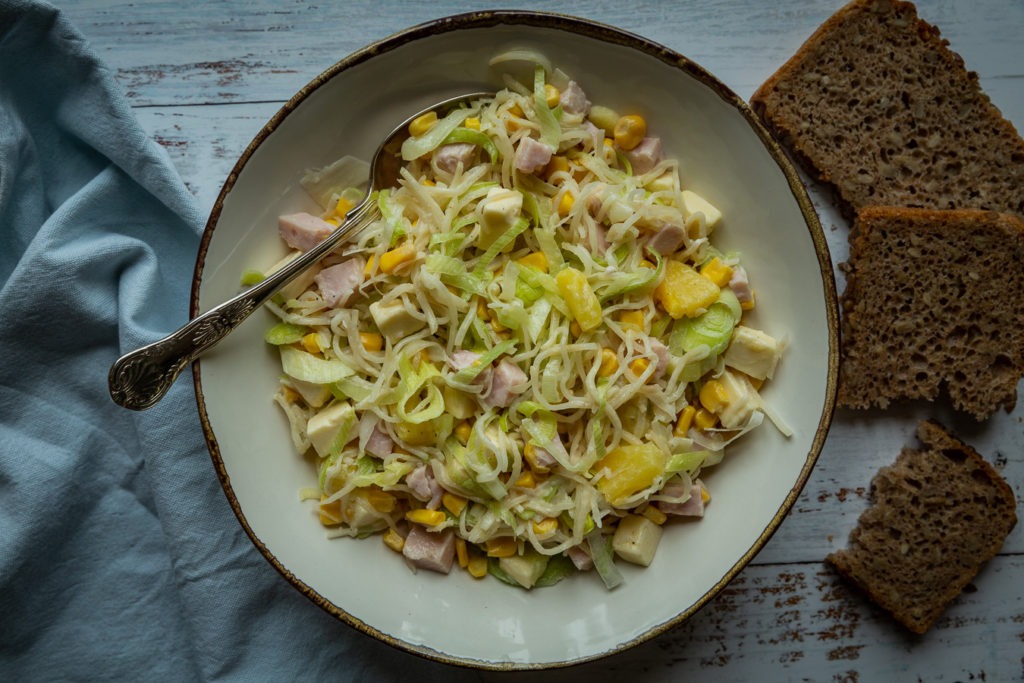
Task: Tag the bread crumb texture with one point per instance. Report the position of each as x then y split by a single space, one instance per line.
933 304
938 514
876 104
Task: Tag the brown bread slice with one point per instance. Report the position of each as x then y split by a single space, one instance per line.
933 303
938 514
877 105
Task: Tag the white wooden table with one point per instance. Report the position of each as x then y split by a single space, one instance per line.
204 77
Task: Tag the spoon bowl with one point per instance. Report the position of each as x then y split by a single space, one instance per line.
140 378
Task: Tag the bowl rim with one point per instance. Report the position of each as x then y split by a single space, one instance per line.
591 29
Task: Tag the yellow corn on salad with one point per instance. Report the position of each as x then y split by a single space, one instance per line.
523 365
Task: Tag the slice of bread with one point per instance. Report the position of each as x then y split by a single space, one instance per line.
877 105
933 304
938 514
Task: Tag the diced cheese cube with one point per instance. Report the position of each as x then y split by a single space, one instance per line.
636 539
753 352
332 424
693 202
315 395
393 320
525 569
498 211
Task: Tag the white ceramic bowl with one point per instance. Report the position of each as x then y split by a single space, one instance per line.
727 157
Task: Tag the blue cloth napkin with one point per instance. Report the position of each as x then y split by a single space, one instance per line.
120 558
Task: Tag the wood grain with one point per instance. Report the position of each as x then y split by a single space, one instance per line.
205 78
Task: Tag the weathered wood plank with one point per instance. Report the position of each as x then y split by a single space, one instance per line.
240 51
800 622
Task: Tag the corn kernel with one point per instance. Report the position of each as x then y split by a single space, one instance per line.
629 131
371 341
579 296
391 260
565 204
428 182
551 95
747 305
343 206
394 540
704 495
535 260
333 220
371 264
330 513
704 419
713 396
717 272
422 123
473 123
684 421
526 480
477 566
516 110
609 363
381 501
633 318
638 366
290 395
463 430
546 526
655 515
558 164
453 503
462 552
530 453
501 547
426 517
311 342
575 329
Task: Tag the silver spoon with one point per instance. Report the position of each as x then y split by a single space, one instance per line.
139 379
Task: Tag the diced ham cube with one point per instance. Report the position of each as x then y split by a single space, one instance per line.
507 380
661 352
667 239
338 283
596 134
740 285
448 157
433 550
532 155
379 443
425 487
303 230
691 507
574 100
462 359
645 156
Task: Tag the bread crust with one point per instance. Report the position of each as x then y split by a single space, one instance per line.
887 142
938 514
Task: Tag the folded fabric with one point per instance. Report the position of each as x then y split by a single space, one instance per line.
120 558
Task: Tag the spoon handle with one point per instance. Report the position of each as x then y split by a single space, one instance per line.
139 379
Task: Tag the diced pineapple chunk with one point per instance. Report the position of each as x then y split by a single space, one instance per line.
629 469
332 426
636 539
580 298
685 292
